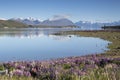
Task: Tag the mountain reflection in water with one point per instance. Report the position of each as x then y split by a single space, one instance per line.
42 44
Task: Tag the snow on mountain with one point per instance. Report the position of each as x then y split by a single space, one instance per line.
55 22
87 24
63 21
28 21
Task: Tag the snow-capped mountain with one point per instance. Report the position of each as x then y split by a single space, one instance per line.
112 23
28 21
58 22
65 22
87 24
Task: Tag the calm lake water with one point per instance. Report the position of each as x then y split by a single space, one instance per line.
41 44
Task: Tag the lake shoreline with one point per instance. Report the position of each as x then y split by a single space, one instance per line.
110 35
71 68
97 34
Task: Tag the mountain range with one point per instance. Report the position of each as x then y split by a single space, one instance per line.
64 22
58 22
31 22
96 25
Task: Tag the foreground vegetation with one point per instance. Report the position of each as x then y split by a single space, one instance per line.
72 68
105 66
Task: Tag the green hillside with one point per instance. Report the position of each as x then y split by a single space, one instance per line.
11 24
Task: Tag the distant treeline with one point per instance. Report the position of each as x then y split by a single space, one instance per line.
111 27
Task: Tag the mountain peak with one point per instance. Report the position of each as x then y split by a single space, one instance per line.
57 22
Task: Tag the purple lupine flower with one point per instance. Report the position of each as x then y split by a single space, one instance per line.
26 73
18 72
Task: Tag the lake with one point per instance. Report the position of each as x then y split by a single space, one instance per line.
42 44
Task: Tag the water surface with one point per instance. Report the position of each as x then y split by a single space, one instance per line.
41 44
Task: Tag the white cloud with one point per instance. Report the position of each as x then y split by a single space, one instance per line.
57 17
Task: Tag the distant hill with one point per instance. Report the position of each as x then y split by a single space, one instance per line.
11 24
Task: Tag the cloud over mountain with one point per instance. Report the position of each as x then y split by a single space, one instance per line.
58 17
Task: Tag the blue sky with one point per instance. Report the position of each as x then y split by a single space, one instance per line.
75 10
